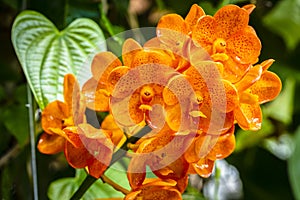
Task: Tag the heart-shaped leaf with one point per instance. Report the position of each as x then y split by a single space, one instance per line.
47 54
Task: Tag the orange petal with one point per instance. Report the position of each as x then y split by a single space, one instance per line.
114 76
249 79
109 124
267 87
90 132
232 98
173 116
71 90
96 95
129 50
244 47
169 97
194 77
127 111
216 122
98 167
182 184
158 192
155 118
122 82
102 64
203 34
53 116
248 117
249 8
77 157
74 99
176 170
266 64
234 71
172 31
180 90
224 146
230 20
194 14
151 62
204 167
51 144
136 172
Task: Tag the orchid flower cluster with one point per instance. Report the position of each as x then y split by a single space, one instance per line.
191 84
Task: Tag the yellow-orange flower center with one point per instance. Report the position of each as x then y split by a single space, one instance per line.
219 46
147 93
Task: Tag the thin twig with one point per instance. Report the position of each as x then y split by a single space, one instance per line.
13 152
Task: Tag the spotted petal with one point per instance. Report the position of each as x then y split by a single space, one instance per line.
102 64
244 47
230 20
193 16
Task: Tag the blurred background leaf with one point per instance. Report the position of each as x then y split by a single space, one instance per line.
294 166
284 20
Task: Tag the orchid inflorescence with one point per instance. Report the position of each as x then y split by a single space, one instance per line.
191 84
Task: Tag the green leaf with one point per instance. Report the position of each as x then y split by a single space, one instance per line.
66 187
284 20
282 107
294 166
47 54
117 173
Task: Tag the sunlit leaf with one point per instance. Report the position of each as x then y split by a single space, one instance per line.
284 19
294 166
47 54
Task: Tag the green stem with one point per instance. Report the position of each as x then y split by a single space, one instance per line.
85 185
89 180
107 180
32 143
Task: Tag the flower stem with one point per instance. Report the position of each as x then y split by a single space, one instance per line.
107 180
89 180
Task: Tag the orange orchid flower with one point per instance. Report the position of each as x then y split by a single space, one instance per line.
58 115
96 89
174 31
206 99
109 125
88 147
229 39
162 152
139 83
257 86
154 188
205 149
